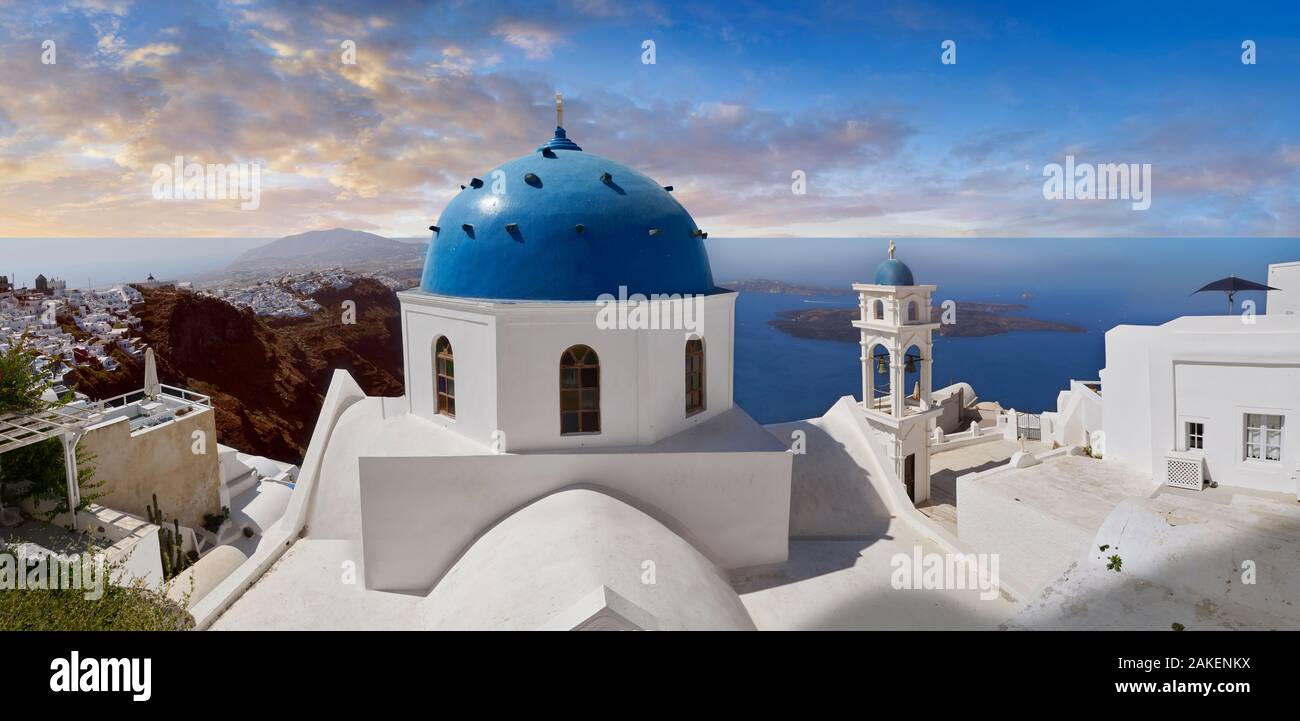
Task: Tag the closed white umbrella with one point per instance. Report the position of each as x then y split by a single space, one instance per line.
152 388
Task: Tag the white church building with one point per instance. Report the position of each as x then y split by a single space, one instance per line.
560 458
568 453
897 337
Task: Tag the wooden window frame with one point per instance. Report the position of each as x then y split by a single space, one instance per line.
585 416
695 349
444 369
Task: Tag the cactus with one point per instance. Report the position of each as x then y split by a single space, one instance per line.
171 545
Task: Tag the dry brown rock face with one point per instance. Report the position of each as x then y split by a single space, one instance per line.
267 378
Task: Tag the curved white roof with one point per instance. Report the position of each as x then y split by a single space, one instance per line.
364 429
581 558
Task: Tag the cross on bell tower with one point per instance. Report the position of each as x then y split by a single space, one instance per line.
896 339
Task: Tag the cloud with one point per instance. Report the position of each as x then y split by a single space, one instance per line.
536 41
434 99
150 53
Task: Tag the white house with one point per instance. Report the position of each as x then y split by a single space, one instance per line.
1213 398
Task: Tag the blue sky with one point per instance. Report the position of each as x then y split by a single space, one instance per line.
742 94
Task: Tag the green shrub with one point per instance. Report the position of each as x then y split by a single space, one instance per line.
37 471
21 384
135 607
120 609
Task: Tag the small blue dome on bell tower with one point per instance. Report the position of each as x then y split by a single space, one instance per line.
893 271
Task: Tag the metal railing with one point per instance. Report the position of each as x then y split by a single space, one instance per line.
180 394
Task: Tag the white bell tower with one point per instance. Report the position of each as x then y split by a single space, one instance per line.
895 323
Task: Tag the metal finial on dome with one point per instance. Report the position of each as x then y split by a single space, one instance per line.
893 271
561 140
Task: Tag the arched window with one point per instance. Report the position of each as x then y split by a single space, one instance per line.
911 311
694 376
444 376
579 391
878 310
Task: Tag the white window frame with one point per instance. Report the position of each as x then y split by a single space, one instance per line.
1182 440
1263 440
1188 435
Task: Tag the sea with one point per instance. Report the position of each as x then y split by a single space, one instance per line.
1094 283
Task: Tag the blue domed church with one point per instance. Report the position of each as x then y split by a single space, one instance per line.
568 364
515 338
567 454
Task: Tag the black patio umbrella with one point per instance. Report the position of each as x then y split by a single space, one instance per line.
1233 285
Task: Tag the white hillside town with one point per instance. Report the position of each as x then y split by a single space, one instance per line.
289 295
102 317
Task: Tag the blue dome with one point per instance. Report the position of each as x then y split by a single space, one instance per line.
567 225
893 272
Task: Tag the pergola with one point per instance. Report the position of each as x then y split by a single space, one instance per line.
68 423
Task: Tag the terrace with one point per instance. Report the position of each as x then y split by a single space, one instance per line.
69 422
144 412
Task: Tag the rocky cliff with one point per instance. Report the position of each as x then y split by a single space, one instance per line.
267 380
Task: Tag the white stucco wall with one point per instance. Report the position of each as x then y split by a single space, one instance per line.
1255 389
418 514
135 548
471 328
367 427
954 400
1126 396
343 393
196 581
158 462
1286 299
507 357
1079 412
536 568
1210 369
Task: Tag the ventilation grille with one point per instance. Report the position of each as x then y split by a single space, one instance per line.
1184 471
